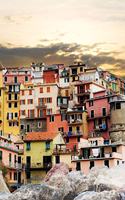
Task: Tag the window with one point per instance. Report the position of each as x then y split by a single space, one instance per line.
10 157
67 139
114 149
30 101
30 92
15 79
15 97
66 93
91 164
106 163
22 127
70 128
48 89
78 139
104 111
118 105
28 146
81 69
28 128
41 90
49 100
22 92
47 145
77 129
15 105
90 103
10 175
5 79
74 71
10 124
26 78
15 123
9 105
22 102
15 176
1 155
39 124
9 96
61 129
78 166
52 118
66 80
92 113
16 114
22 112
57 159
49 111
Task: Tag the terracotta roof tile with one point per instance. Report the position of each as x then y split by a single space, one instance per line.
40 136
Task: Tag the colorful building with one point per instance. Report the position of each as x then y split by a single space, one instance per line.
98 109
97 152
38 154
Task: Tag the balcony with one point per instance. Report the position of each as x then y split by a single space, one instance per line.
75 121
73 134
98 117
61 150
8 146
113 155
42 166
100 127
41 105
83 93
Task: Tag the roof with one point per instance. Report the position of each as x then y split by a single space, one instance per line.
40 136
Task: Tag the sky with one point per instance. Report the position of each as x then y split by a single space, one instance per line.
63 31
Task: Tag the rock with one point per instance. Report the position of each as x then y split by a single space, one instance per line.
108 179
36 192
100 184
4 196
105 195
3 186
61 169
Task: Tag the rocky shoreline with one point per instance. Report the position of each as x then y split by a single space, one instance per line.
59 184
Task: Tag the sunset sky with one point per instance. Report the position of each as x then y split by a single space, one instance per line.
62 31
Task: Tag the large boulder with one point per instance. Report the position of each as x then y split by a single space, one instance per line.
60 169
3 186
105 195
36 192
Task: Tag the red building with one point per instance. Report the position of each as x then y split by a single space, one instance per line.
98 109
51 75
56 123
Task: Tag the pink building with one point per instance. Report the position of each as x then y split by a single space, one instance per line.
94 152
17 75
9 158
98 109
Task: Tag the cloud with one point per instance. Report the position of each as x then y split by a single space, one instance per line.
16 19
61 53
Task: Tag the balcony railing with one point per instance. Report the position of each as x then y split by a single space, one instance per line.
8 146
39 166
70 134
114 155
75 121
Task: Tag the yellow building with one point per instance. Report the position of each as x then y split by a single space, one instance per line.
77 122
62 154
11 107
2 91
38 154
